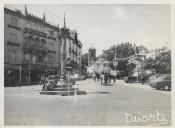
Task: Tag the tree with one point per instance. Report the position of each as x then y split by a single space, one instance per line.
161 64
129 69
122 50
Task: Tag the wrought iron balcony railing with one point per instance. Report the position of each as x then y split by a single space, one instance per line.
33 47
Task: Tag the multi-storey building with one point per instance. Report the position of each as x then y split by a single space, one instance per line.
33 47
71 50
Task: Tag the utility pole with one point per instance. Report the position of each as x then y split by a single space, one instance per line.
115 58
29 73
20 75
115 63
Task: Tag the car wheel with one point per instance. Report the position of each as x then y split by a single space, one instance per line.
166 88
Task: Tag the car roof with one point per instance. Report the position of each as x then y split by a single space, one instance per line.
164 75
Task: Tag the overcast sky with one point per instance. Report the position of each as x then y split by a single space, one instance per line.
102 26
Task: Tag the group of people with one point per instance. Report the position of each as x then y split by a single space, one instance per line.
105 78
50 83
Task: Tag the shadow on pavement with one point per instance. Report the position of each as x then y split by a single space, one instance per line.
98 92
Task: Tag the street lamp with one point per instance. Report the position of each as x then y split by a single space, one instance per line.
20 75
29 73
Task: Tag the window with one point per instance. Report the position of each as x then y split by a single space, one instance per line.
11 56
12 37
14 21
27 56
43 43
51 46
51 58
37 42
30 40
40 59
35 27
51 33
33 59
41 28
28 25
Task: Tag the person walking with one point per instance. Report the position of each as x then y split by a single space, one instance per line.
97 76
106 79
101 78
114 76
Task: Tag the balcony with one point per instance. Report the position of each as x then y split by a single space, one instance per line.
35 65
14 27
52 38
35 48
13 43
41 48
35 32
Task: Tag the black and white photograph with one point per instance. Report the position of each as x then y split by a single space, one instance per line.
87 64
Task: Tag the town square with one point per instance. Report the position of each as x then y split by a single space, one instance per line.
87 65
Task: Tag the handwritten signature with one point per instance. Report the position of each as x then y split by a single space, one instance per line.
156 118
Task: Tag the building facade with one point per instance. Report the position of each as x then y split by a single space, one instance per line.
92 56
33 47
71 50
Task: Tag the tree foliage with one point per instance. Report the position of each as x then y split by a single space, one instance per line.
161 64
122 50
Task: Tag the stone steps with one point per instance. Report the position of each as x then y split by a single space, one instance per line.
62 89
62 93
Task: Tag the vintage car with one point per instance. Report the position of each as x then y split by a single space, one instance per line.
152 78
162 82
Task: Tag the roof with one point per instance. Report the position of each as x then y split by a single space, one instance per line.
30 17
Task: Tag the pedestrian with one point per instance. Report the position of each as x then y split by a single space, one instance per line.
97 76
42 80
106 78
110 78
93 76
101 78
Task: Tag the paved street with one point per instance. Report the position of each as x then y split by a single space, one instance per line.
120 104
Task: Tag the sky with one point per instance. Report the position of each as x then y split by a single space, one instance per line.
104 25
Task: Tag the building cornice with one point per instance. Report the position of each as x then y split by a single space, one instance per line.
30 18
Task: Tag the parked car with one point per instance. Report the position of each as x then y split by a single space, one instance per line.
162 82
152 78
